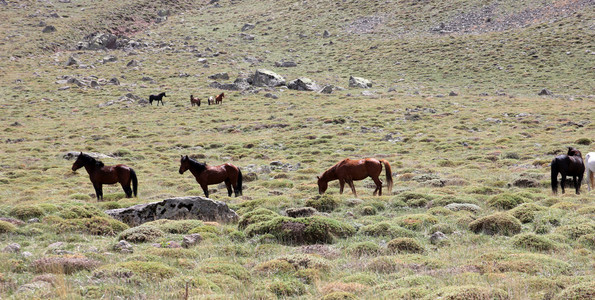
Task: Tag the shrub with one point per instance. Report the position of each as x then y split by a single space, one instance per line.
587 240
226 268
26 212
204 229
468 292
368 210
414 199
526 211
505 201
533 242
362 278
307 275
442 227
141 234
63 265
364 248
6 227
416 221
387 229
324 203
530 263
310 230
415 280
407 245
575 231
584 290
275 266
256 216
78 211
584 141
337 286
237 236
439 211
340 296
287 287
498 223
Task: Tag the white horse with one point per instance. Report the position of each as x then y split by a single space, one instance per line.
590 166
211 100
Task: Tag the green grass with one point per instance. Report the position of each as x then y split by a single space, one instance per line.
442 150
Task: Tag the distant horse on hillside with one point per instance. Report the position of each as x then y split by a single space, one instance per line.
211 100
102 174
194 101
349 170
205 175
157 98
590 166
570 164
219 99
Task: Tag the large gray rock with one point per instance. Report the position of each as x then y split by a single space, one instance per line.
99 41
358 82
175 209
240 84
303 84
264 77
219 76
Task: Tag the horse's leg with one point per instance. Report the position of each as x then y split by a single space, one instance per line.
127 190
589 179
563 182
205 189
228 185
577 184
341 185
98 191
378 186
352 186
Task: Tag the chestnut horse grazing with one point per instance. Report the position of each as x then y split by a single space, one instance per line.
194 101
219 99
101 174
590 166
349 170
206 175
570 164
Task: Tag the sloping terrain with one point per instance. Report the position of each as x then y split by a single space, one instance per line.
473 166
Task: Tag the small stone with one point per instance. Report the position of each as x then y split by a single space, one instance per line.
327 89
27 254
358 82
191 240
114 81
132 63
326 34
301 212
172 244
247 26
123 247
272 96
72 61
49 29
437 237
55 245
33 220
12 248
452 94
545 92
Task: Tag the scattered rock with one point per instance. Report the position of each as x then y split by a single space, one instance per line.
240 84
525 182
463 206
75 154
248 26
301 212
247 37
12 221
179 208
26 254
191 240
123 247
545 92
101 41
272 96
34 286
72 61
55 245
114 81
172 244
303 84
327 89
264 77
493 120
33 220
12 248
109 58
219 76
326 34
250 176
453 94
285 64
437 237
132 63
49 29
358 82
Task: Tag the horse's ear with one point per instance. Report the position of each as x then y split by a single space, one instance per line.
317 177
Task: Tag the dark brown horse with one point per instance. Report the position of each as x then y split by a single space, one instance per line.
157 98
101 174
205 175
570 164
219 99
194 101
349 170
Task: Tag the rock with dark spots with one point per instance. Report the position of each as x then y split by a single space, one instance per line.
303 84
247 26
100 41
219 76
123 247
358 82
285 64
12 248
191 240
264 77
48 29
179 208
327 89
301 212
545 92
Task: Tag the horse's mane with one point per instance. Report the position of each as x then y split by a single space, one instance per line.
92 160
330 172
197 165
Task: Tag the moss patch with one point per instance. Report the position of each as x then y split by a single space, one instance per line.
532 242
405 245
387 229
498 223
310 230
324 203
141 234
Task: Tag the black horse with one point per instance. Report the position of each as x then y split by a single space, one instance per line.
157 98
570 164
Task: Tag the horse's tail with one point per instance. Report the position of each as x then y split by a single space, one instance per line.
555 171
389 175
239 182
134 181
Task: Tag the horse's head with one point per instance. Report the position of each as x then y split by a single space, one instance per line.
574 152
322 185
184 164
81 160
164 95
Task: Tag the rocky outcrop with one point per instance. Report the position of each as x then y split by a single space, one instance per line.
240 84
303 84
264 77
175 209
358 82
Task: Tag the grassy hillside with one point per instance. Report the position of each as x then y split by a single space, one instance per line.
488 148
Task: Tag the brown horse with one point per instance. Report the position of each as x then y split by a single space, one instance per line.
101 174
569 164
206 175
349 170
219 99
194 101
